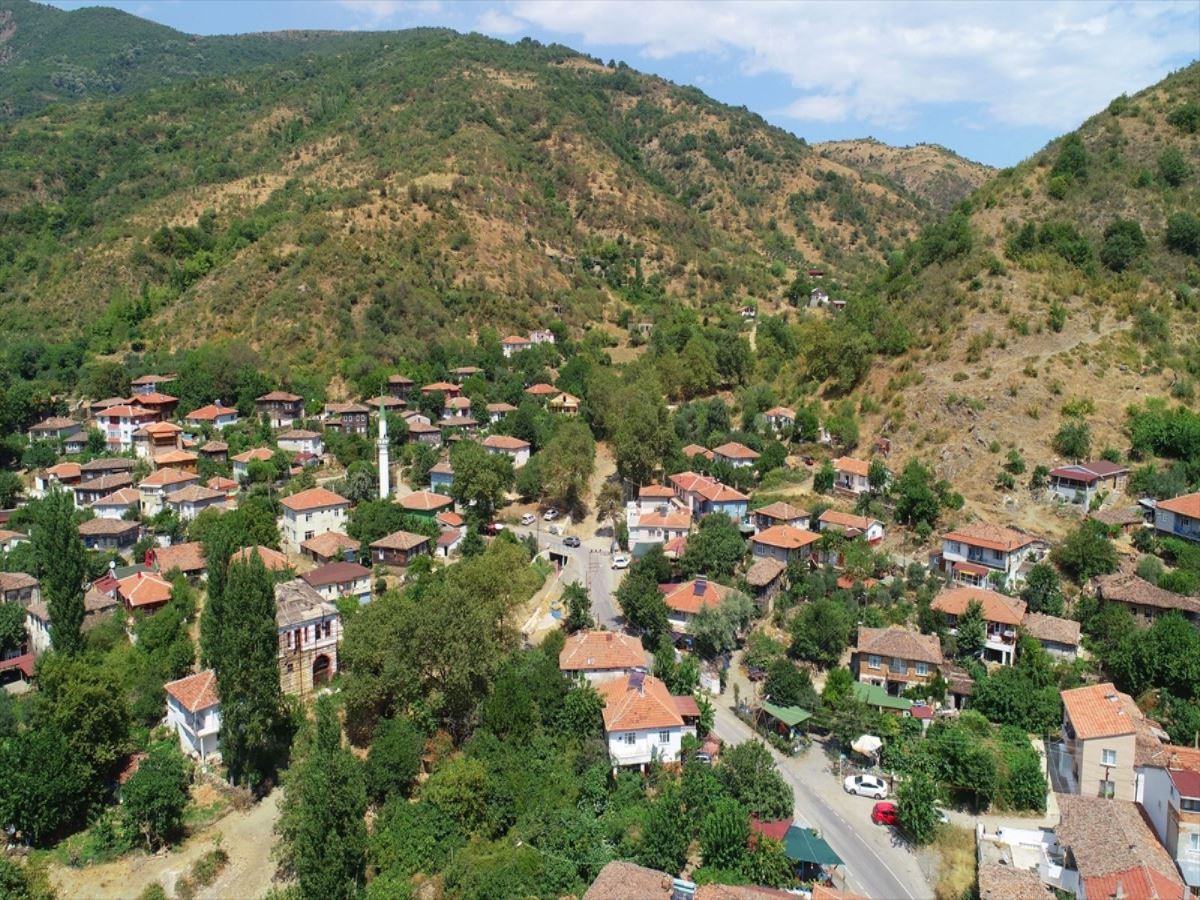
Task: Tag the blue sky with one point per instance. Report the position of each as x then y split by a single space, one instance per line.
993 81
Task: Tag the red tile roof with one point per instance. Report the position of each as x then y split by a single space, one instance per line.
194 493
329 544
261 454
784 512
400 540
628 708
1185 505
852 465
990 537
278 397
596 650
313 498
996 607
541 389
187 558
210 412
167 476
690 596
785 537
734 450
847 520
504 442
656 491
195 692
1098 710
425 501
144 589
271 559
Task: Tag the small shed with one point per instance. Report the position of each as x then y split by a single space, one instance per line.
784 720
810 853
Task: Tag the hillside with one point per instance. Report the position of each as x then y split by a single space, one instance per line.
1040 309
49 55
373 200
934 174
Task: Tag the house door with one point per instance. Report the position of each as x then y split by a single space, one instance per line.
320 670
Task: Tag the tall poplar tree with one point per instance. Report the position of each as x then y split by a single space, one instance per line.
62 569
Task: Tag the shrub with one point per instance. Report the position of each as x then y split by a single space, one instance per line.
1073 440
1183 233
1123 243
1172 167
1186 118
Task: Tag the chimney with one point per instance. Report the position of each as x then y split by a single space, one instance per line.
701 585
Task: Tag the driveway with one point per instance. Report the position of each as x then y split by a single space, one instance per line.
878 863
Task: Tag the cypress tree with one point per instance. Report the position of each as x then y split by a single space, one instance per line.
218 550
62 569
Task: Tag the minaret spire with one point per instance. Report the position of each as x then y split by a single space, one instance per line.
385 472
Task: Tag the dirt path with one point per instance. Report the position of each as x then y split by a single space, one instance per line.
248 836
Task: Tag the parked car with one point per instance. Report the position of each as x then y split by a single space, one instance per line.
550 515
866 786
528 519
884 813
620 561
554 529
571 541
703 758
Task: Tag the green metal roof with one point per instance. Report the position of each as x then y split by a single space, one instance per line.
788 715
803 845
874 695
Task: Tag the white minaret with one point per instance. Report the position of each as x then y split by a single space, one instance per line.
385 472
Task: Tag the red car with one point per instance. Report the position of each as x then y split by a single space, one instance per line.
884 813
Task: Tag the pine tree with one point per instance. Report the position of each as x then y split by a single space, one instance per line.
62 569
244 660
323 821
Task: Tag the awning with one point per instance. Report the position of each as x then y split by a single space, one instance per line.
867 745
788 715
874 695
804 846
971 568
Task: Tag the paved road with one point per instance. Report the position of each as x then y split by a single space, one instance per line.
878 865
589 564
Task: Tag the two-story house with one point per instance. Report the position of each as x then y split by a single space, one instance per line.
704 495
194 713
1080 482
642 721
441 477
781 418
348 418
599 656
497 411
514 344
280 408
565 404
162 405
145 592
88 492
149 384
784 543
1170 795
739 456
982 554
400 386
300 440
426 503
1100 738
215 415
119 424
55 428
780 513
117 535
309 513
1002 616
656 517
158 485
456 408
1179 517
1059 637
157 438
331 546
851 525
515 449
118 504
309 629
340 579
446 388
19 588
241 461
850 474
193 500
895 658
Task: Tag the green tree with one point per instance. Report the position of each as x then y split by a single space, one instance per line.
567 462
1024 784
642 603
1086 552
10 489
877 476
579 607
1073 440
715 548
917 502
46 786
1042 590
767 863
748 773
716 628
824 477
154 798
787 685
1072 161
62 568
1123 243
724 834
247 673
12 628
322 824
1183 233
839 685
1172 167
85 702
972 631
821 632
394 760
916 807
643 437
665 837
480 479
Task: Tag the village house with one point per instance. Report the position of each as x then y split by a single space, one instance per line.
118 504
74 444
187 558
348 418
780 513
340 579
642 721
55 428
332 546
20 588
109 534
1002 616
193 500
1170 795
1179 517
157 438
98 607
1080 482
541 391
685 600
309 629
704 496
691 451
457 407
309 513
144 592
1100 741
120 422
64 475
850 474
280 408
299 440
515 449
105 466
766 577
497 411
10 539
400 548
158 485
183 460
272 560
88 492
149 384
194 713
564 404
98 406
460 425
215 451
390 405
541 336
599 656
852 526
462 373
982 554
215 415
895 658
162 405
424 433
227 486
1059 637
781 419
739 456
400 386
441 477
1146 601
426 503
514 344
654 519
784 543
242 461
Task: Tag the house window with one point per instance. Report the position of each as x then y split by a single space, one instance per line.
664 737
1108 757
630 738
1190 804
922 668
1107 789
328 626
1194 841
898 666
874 662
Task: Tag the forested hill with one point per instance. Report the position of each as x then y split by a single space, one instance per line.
928 171
431 184
49 55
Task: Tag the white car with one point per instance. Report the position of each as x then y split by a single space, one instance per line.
620 561
551 515
528 519
866 786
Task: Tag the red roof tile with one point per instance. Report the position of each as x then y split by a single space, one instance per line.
313 498
195 692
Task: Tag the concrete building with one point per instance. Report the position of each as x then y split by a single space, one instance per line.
642 721
194 713
600 656
309 513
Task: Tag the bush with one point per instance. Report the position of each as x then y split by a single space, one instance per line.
1073 440
1186 118
1123 243
1172 167
1183 233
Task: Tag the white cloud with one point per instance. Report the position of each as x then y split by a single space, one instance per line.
495 22
374 13
1019 64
